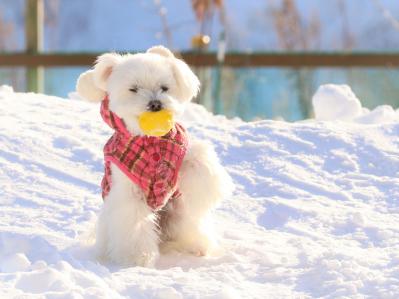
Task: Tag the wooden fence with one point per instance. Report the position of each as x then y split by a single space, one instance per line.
34 59
290 60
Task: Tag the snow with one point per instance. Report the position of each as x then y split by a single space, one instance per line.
315 212
338 102
333 102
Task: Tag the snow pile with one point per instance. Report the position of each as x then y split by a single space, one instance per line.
315 212
333 102
338 102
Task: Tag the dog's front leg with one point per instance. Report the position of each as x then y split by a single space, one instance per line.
126 229
203 184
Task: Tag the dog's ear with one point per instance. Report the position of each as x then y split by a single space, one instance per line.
161 50
92 84
87 89
187 81
103 69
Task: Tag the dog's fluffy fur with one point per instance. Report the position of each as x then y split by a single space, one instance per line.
128 231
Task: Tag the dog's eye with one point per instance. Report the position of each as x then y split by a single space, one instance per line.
164 88
134 89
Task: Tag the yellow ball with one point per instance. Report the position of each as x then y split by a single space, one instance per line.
156 123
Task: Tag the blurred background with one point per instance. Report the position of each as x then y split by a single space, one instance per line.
256 59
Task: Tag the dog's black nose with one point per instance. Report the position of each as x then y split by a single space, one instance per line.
154 105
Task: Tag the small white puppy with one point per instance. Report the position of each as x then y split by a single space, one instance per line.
129 230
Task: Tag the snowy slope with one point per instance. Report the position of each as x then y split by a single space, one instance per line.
315 212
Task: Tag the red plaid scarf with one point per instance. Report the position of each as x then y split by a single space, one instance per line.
152 163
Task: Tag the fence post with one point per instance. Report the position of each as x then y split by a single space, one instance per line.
218 106
34 20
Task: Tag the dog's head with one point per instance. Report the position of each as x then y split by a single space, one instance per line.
141 82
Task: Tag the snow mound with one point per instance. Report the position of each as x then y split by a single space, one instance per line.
333 102
338 102
315 212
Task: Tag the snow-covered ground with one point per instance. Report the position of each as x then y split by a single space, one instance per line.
315 212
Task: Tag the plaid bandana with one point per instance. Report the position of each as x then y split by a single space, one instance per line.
150 162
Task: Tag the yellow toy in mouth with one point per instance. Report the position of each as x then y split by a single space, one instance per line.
157 123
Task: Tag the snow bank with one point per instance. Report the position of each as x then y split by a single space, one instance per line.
315 212
338 102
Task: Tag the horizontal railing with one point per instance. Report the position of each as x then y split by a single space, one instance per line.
289 60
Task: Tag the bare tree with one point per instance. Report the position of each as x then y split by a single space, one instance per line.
8 42
294 33
348 40
166 31
387 14
204 11
51 19
7 30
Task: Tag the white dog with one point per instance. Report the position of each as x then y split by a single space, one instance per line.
129 231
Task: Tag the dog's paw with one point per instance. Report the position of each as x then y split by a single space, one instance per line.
135 260
198 250
193 248
145 259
